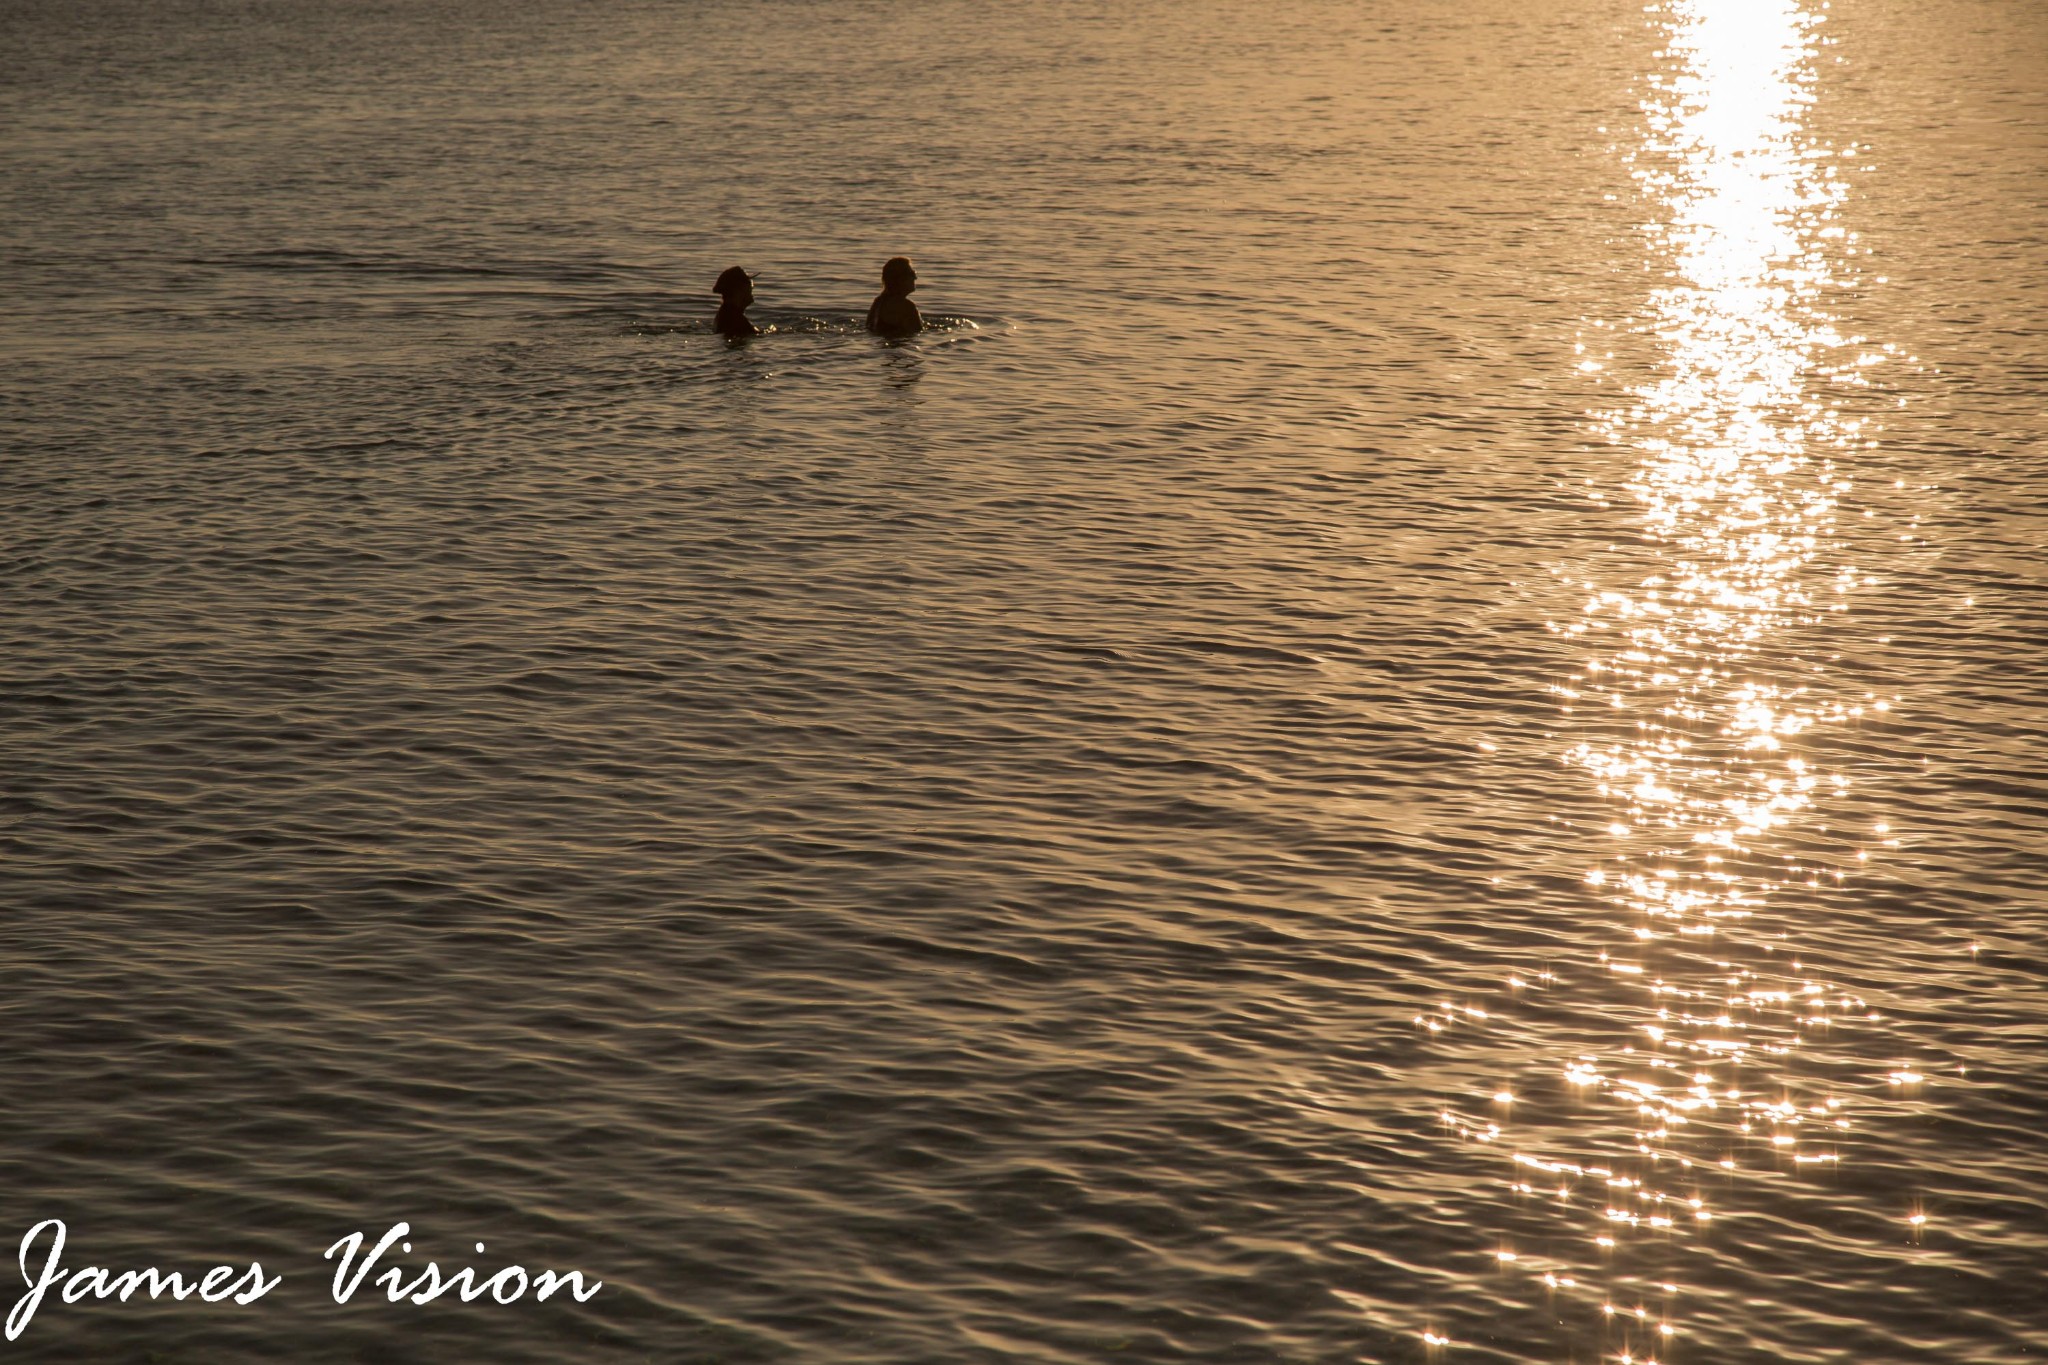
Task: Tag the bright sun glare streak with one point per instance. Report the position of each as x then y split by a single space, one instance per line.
1695 696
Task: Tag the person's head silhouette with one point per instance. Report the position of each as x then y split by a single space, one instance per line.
892 313
735 290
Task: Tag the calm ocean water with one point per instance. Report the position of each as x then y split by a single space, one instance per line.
1414 732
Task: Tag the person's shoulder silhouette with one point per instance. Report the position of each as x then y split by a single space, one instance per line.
735 290
892 314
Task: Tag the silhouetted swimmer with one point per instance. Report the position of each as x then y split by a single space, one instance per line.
735 290
892 314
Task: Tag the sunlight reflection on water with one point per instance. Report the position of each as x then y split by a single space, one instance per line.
1693 700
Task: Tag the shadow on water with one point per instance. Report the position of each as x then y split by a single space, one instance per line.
806 340
902 362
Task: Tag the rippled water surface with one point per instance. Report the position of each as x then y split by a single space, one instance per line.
1411 731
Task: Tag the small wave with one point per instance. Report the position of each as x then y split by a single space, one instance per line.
326 261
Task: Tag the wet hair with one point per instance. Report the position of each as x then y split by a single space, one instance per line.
732 281
897 271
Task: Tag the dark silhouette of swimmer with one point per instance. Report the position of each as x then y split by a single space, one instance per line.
735 290
892 314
